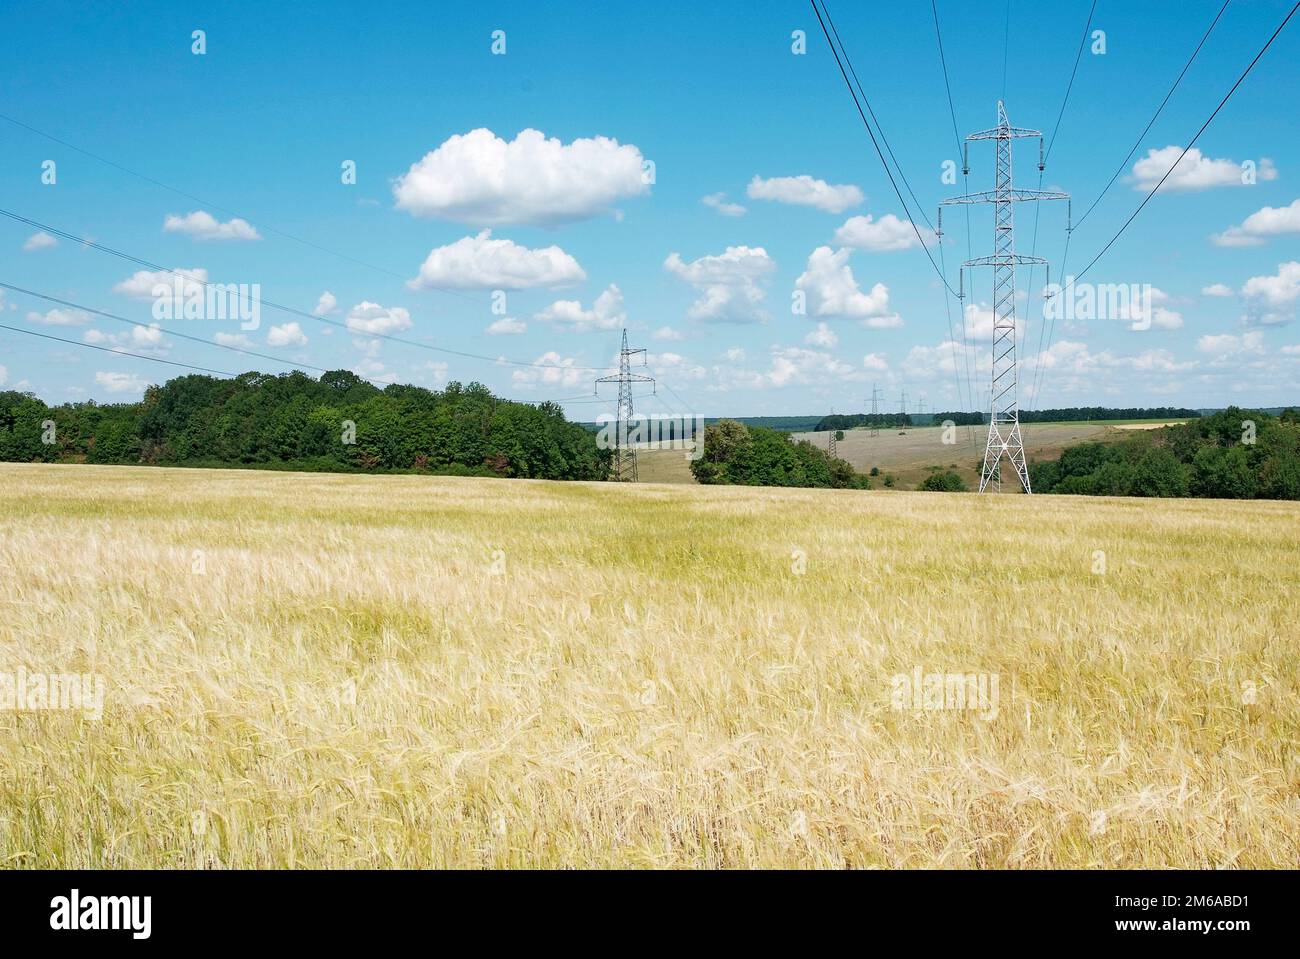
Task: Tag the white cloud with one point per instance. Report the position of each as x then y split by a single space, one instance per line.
4 375
1224 345
667 333
1267 297
287 334
327 304
1148 311
552 370
1259 226
120 382
506 326
482 263
803 190
735 355
233 339
1216 289
875 362
40 241
787 366
885 235
141 284
718 201
436 371
823 336
979 321
144 339
481 179
59 317
202 225
1195 172
606 313
832 290
728 284
367 317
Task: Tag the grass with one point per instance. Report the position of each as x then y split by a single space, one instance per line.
412 671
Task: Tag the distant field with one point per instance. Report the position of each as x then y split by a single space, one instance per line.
310 670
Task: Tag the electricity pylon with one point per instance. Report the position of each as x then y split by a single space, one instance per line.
902 411
830 437
875 410
1004 408
623 468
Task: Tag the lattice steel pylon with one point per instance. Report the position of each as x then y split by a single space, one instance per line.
830 437
1004 407
623 469
875 421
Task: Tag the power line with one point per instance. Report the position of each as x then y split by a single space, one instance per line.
861 113
190 278
1138 142
1029 286
947 296
217 207
1145 200
184 336
115 352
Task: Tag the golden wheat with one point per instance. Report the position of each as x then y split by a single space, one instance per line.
313 670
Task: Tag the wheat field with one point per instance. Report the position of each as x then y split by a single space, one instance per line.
311 670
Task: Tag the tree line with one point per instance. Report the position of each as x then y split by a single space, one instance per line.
339 422
848 421
740 455
1234 454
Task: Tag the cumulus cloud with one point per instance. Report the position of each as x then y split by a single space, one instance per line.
831 290
667 333
143 339
804 190
1195 172
1261 225
718 201
1216 289
120 382
823 336
202 225
875 362
794 366
551 370
141 284
58 317
371 318
233 339
1271 300
728 284
482 263
1224 345
480 179
40 241
885 235
506 326
326 304
287 334
606 313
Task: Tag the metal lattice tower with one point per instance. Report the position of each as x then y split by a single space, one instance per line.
902 410
875 410
623 468
1004 409
830 437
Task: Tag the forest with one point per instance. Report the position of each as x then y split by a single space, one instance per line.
338 422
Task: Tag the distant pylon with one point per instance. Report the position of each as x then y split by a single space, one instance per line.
1004 409
830 437
624 466
902 411
875 410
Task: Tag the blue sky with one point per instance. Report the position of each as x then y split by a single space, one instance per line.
716 99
